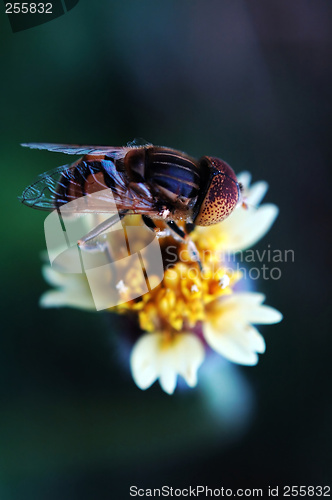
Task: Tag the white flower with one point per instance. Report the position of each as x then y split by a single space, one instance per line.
175 314
245 226
157 356
229 328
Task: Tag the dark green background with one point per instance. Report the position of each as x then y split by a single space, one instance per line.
247 81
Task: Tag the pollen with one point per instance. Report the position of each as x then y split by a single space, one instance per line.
179 302
224 281
120 286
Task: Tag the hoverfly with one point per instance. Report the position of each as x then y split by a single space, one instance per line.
153 181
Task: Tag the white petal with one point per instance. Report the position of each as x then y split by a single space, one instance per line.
244 178
234 344
73 290
228 329
189 357
244 227
190 376
189 371
142 366
152 357
53 298
256 193
168 379
53 277
244 308
257 221
69 298
264 315
257 341
145 377
242 299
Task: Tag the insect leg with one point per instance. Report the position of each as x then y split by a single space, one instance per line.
160 233
173 225
190 244
190 226
96 231
149 222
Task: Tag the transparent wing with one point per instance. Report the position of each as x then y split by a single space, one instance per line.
138 142
74 149
89 188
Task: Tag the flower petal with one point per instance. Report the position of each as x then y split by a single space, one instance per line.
168 380
244 227
235 345
264 315
142 367
67 298
145 377
256 193
156 356
257 341
243 299
228 328
190 356
244 178
73 290
53 277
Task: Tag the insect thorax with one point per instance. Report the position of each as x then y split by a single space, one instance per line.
172 176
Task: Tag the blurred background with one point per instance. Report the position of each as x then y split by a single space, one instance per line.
246 81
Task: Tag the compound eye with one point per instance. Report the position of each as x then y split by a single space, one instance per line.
222 194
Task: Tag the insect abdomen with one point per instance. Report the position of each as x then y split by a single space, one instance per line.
88 177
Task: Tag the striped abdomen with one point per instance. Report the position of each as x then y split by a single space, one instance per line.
88 175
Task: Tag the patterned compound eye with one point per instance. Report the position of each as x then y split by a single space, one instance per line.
222 192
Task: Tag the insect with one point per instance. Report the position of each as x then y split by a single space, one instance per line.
156 182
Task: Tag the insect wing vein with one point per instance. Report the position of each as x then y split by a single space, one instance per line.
73 149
